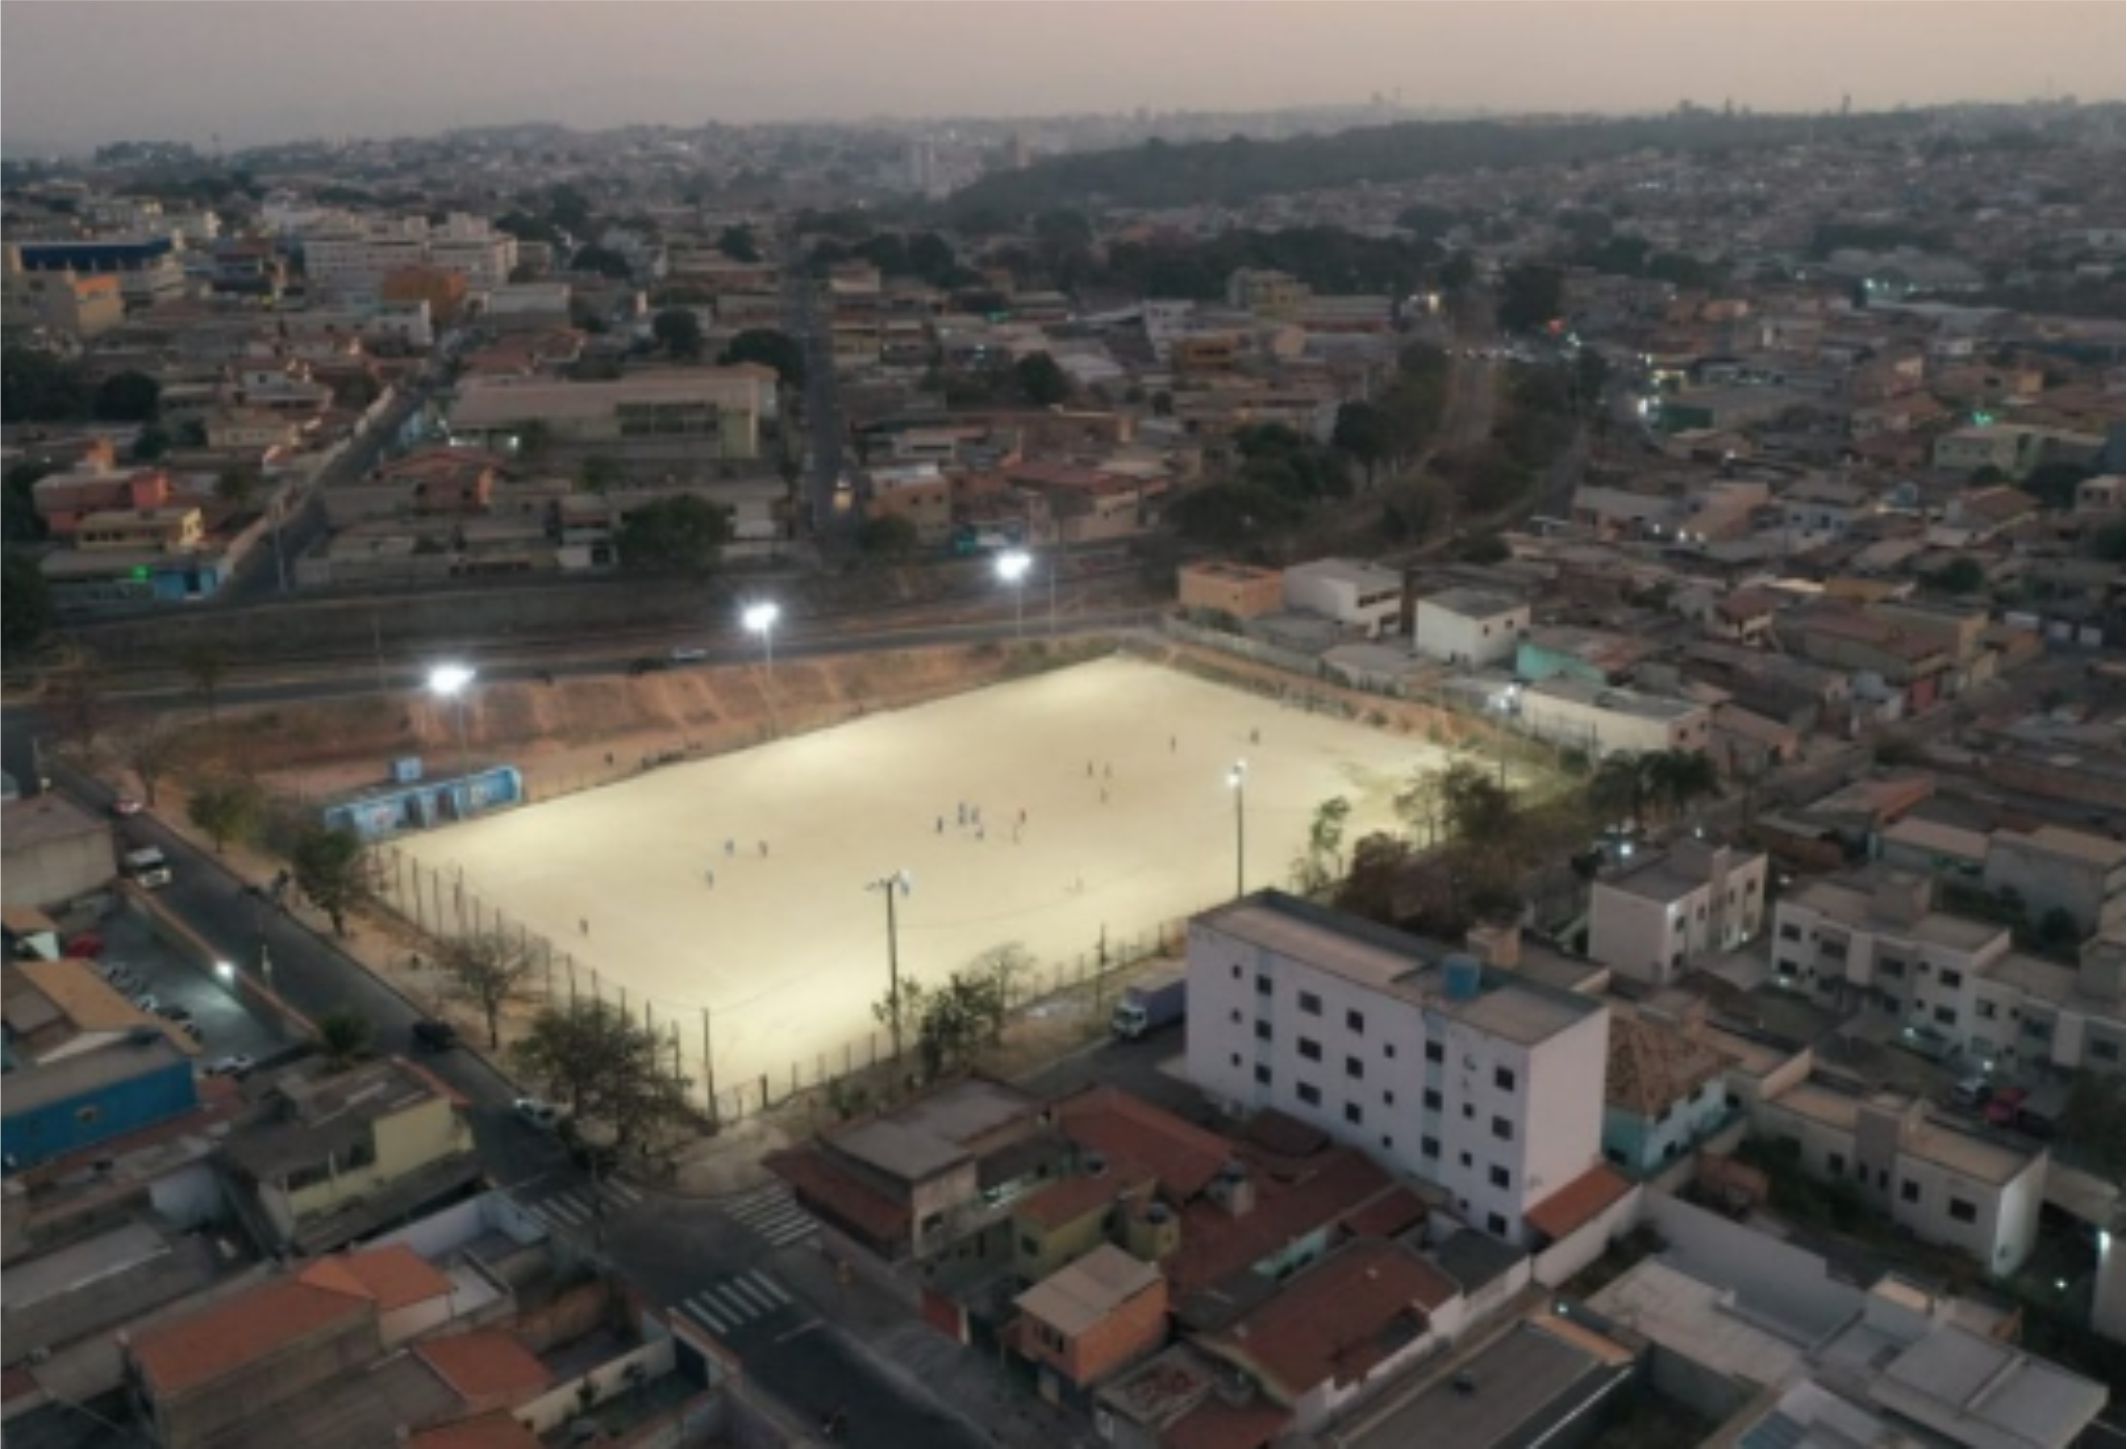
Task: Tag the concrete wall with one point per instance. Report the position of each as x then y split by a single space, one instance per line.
1793 1285
562 1403
1555 1264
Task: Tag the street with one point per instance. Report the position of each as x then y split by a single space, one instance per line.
822 416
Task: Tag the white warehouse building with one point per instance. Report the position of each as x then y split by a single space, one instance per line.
1469 626
1356 595
1483 1081
1601 720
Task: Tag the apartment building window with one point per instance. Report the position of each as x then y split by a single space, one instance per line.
1834 1163
1503 1078
1310 1003
2104 1049
1502 1129
1354 1068
1262 986
1429 1146
1352 1113
1464 1158
2037 1026
1951 980
1434 1052
1831 948
1236 970
1909 1190
1263 1074
1355 1022
1262 1031
1495 1225
1309 1093
1310 1049
1388 1099
1947 1015
1388 1049
1890 966
1984 1010
1500 1176
1789 931
1432 1100
1962 1211
1235 1059
1234 1016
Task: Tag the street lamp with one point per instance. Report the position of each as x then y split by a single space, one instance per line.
1237 781
1012 568
899 883
449 681
226 971
760 619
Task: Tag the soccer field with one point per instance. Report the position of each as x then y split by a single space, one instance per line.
1120 767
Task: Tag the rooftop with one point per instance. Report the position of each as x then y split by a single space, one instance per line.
1365 576
1508 1006
1526 1382
1702 1321
1607 697
1853 905
68 1077
2098 850
27 824
187 1352
1337 1319
1473 603
1131 1132
1578 1201
485 1364
936 1130
1080 1295
1653 1065
1982 1391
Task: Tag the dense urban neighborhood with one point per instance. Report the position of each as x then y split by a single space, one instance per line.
1340 776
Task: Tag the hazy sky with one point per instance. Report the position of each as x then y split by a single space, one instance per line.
75 73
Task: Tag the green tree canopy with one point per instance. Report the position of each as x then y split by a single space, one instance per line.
227 809
602 260
737 243
332 871
679 332
770 348
25 602
1041 380
888 535
604 1066
1530 296
683 534
128 397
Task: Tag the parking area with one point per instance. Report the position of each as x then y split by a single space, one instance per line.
227 1025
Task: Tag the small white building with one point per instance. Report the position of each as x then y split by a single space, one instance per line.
1940 1182
2053 868
1469 626
1356 595
1483 1081
1603 720
1649 919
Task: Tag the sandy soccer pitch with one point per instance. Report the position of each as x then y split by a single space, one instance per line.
1119 767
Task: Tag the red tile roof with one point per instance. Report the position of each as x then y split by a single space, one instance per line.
1338 1319
1128 1129
1071 1198
1215 1244
489 1431
1215 1424
201 1347
1577 1202
485 1365
393 1276
822 1184
1387 1215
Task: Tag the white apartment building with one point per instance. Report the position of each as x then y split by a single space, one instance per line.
1469 626
1485 1082
1601 720
1938 1181
1356 595
352 256
1650 918
1952 983
2053 868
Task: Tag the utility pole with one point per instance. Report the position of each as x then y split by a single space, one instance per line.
1237 778
898 883
708 1070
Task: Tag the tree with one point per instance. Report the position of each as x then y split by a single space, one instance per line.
535 438
331 869
490 971
1323 859
682 534
602 260
150 444
21 522
1457 272
902 1014
2054 484
1364 431
737 243
599 472
1960 576
1675 778
1419 804
2093 1123
679 332
1531 296
888 535
2058 931
25 602
958 1018
151 751
1618 790
204 665
36 387
568 208
1485 548
236 484
606 1066
1043 382
227 809
127 397
1379 864
74 696
770 348
344 1036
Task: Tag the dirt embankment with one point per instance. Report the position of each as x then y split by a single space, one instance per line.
579 732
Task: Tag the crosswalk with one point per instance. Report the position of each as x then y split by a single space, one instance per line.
576 1207
727 1306
772 1213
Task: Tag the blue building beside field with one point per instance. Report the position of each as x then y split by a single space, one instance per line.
73 1102
413 803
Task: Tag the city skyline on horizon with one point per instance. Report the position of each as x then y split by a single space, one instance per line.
74 81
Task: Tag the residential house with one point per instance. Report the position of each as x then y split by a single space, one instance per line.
916 493
1240 591
1664 1092
1481 1080
655 420
1469 626
1359 596
52 851
2056 868
1650 917
1599 656
55 1009
331 1156
76 1100
1599 720
1059 1223
1087 1320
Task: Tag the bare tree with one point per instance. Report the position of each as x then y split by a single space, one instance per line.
75 696
204 665
151 751
489 970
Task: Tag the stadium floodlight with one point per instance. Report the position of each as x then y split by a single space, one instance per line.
1012 567
450 681
761 619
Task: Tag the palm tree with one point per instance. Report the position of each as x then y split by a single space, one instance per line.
343 1035
1618 789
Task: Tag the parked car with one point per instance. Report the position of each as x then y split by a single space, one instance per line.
238 1066
125 805
2002 1110
688 654
149 1002
178 1014
435 1035
86 946
1972 1092
543 1115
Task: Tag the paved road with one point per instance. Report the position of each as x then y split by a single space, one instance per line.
823 416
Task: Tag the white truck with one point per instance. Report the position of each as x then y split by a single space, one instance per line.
147 868
1154 1000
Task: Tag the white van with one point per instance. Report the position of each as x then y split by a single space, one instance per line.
147 868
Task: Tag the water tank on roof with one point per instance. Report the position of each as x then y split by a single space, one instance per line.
1465 975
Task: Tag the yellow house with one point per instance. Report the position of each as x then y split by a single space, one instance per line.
333 1157
1068 1219
173 529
